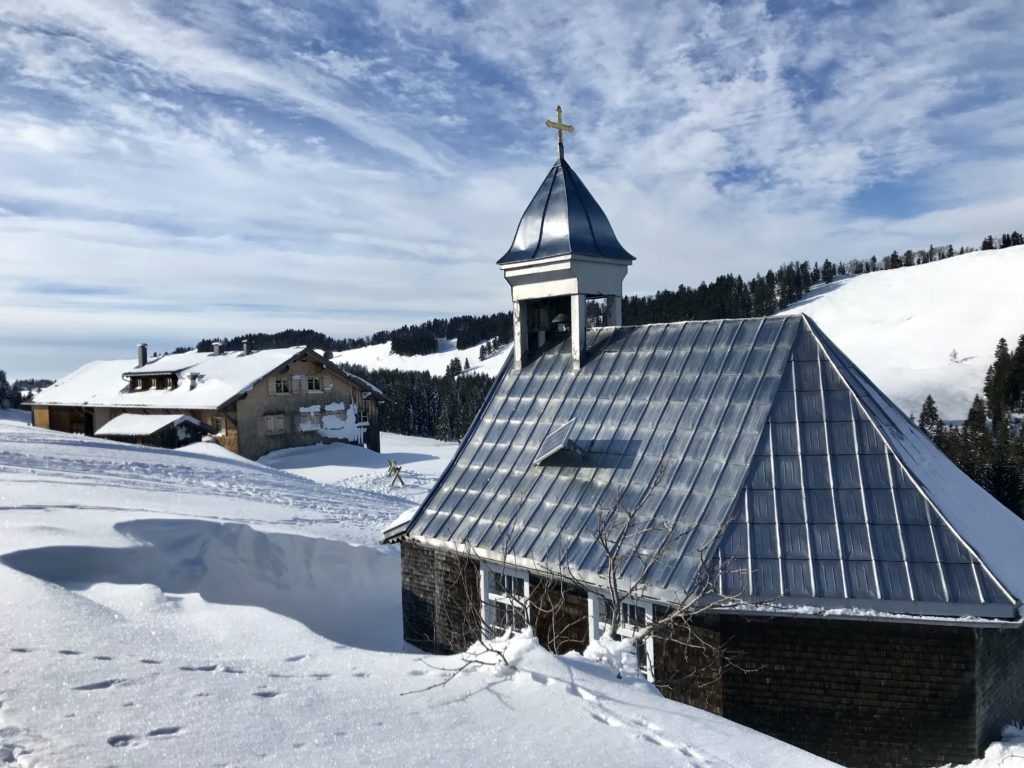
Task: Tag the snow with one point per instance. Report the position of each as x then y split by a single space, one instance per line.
213 450
1002 753
900 326
377 356
137 424
422 460
14 414
176 608
219 379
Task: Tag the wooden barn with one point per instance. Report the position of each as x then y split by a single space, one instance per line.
743 482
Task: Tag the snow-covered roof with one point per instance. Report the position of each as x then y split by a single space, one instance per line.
753 450
218 380
142 424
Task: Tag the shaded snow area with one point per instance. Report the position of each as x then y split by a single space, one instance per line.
380 356
178 608
901 326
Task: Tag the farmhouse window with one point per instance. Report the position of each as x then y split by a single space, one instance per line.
282 386
309 420
313 384
274 423
217 422
506 599
634 617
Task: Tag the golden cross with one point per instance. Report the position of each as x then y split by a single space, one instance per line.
559 126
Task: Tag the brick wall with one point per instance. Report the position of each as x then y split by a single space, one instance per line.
440 599
860 693
688 664
999 685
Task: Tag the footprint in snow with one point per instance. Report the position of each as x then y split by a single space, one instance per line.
320 675
65 652
103 658
121 740
21 650
293 659
98 686
265 694
168 731
202 668
150 661
360 674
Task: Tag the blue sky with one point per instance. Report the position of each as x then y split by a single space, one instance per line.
175 170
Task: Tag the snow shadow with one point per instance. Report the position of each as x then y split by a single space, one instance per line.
346 593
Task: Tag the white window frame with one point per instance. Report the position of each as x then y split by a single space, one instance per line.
597 607
219 423
497 601
282 386
314 384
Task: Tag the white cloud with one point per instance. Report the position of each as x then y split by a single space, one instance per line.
353 168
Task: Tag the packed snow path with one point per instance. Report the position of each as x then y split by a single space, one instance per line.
165 609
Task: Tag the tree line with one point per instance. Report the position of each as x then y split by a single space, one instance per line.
989 445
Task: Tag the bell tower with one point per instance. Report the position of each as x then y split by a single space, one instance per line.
564 253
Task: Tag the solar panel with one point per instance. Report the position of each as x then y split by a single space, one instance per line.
557 440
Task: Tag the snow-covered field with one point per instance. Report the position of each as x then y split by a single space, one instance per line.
901 326
186 608
380 356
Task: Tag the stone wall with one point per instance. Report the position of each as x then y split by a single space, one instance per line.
440 599
999 685
861 693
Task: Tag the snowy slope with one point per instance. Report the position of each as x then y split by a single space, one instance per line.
380 356
167 608
901 325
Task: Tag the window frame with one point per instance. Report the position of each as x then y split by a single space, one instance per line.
311 380
282 385
502 609
599 609
270 422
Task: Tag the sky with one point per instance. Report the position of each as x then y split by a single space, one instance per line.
177 170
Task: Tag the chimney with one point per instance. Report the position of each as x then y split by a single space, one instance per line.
217 348
143 355
192 378
246 347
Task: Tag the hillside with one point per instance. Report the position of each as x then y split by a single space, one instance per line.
170 608
377 356
901 326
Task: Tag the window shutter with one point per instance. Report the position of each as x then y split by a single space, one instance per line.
271 387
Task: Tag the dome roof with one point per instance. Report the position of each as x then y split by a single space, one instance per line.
564 219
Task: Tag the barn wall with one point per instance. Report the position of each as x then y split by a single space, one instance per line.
860 693
560 616
252 438
1000 682
440 599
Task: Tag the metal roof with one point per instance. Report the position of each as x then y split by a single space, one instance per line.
563 218
754 445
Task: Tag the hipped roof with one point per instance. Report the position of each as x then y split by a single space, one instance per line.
751 445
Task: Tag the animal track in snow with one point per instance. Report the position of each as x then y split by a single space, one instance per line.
320 675
21 650
103 658
99 685
265 694
293 659
66 652
121 740
150 661
202 668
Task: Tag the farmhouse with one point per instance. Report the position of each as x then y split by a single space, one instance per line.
852 591
252 402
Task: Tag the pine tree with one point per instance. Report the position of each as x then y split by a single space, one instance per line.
930 422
